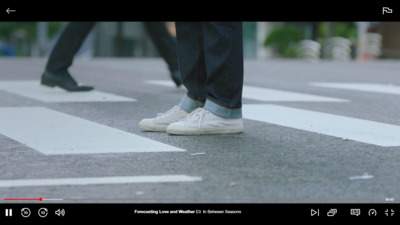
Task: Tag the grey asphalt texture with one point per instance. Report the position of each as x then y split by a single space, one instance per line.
265 164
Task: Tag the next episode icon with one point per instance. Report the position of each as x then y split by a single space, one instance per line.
314 212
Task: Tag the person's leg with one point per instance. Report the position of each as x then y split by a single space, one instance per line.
191 65
223 67
67 46
62 55
222 111
166 46
223 53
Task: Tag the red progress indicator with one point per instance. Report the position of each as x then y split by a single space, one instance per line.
23 199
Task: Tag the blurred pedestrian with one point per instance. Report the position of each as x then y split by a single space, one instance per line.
62 55
61 58
211 65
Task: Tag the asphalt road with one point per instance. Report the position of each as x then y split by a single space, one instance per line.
282 156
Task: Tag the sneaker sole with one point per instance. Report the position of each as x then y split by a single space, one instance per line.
232 130
154 128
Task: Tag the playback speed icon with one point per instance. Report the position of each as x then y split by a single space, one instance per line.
372 212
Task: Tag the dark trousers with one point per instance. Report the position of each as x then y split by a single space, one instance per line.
164 43
70 41
67 46
211 61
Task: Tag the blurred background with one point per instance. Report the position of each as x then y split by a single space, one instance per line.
262 40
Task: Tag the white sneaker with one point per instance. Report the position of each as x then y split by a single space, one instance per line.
201 121
161 122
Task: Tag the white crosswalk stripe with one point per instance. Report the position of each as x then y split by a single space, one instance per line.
367 87
365 131
98 180
267 94
271 95
52 132
33 89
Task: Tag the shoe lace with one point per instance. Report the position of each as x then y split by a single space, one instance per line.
197 117
175 108
167 113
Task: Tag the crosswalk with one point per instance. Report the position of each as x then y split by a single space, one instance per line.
370 132
55 133
73 135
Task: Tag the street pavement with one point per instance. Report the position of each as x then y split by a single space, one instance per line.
315 132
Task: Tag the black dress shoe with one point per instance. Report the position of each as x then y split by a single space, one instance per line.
176 77
64 81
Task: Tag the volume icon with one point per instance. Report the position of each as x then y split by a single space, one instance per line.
60 212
